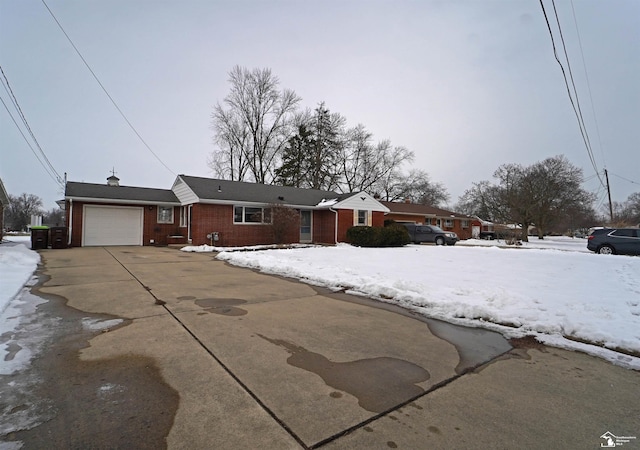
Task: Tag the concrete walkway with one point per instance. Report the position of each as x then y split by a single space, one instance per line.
257 361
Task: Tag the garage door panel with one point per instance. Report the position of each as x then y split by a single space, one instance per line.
111 225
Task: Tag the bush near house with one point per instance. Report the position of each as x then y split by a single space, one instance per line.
392 235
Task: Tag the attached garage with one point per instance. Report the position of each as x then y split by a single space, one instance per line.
112 225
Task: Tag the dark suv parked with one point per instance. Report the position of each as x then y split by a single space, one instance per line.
612 241
430 233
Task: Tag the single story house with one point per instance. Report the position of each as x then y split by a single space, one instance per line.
200 211
4 203
464 226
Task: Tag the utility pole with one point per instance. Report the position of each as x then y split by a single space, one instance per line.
606 175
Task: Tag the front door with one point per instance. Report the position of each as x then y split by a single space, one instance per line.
305 225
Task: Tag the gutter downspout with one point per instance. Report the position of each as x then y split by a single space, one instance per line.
335 230
70 221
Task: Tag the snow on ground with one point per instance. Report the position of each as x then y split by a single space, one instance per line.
17 264
552 289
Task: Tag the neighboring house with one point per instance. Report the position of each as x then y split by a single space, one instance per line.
204 211
4 203
483 229
460 224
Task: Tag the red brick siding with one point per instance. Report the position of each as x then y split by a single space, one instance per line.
345 221
377 218
206 219
159 232
463 233
405 218
74 222
324 224
151 228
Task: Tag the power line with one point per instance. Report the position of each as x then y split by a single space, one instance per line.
105 90
576 109
626 179
7 88
586 75
53 177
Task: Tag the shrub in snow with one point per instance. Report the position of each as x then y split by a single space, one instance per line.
394 235
389 236
362 236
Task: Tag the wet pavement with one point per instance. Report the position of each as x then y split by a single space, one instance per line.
206 355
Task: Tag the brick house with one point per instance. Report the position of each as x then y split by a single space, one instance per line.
464 226
4 203
209 211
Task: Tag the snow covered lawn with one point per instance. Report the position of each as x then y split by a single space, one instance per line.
17 264
553 289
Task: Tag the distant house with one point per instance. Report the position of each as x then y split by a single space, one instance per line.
4 203
209 211
464 226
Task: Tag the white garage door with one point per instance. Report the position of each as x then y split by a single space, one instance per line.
112 225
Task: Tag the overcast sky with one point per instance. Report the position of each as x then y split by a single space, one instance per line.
466 85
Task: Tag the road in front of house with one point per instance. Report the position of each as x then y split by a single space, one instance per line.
214 356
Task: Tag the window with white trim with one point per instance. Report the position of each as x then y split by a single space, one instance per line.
249 214
362 218
165 214
448 223
184 216
465 224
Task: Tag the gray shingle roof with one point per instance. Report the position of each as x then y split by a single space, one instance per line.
412 208
225 190
128 193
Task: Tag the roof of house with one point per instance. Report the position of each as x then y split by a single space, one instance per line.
426 210
4 197
104 193
238 191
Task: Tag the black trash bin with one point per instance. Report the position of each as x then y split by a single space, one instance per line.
58 237
39 237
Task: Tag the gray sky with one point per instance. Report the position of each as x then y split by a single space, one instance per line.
466 85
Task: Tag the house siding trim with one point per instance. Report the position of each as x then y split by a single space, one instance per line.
112 201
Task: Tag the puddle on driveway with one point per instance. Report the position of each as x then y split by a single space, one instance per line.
52 399
379 384
222 306
475 346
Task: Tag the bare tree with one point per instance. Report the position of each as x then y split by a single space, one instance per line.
418 188
53 217
542 194
626 213
285 222
20 210
556 191
232 138
482 200
253 129
364 166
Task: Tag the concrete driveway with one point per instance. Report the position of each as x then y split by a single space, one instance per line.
213 356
